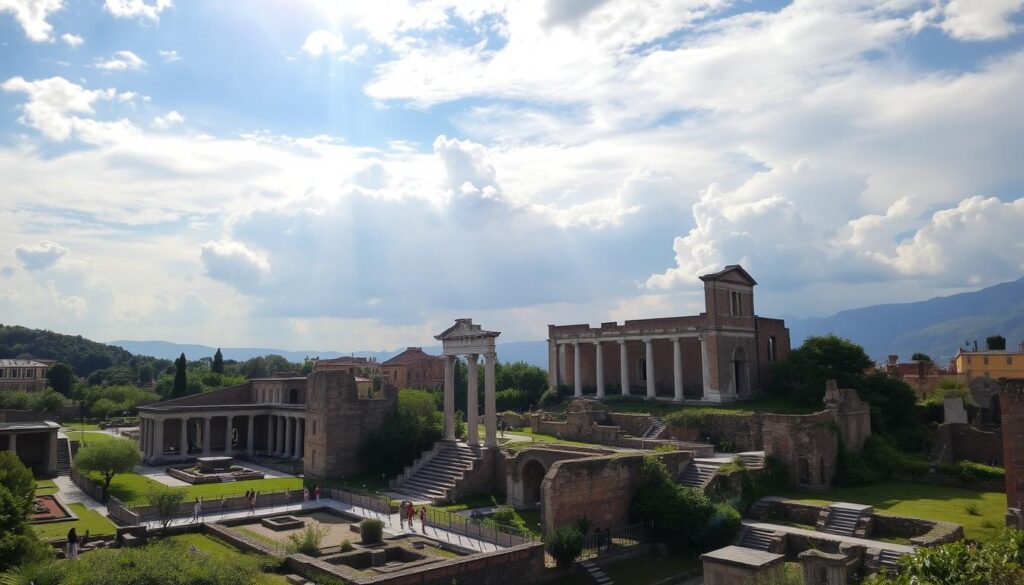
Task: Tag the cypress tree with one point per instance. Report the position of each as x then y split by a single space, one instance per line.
180 379
218 362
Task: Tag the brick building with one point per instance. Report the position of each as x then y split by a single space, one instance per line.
414 368
23 374
722 354
357 366
1011 396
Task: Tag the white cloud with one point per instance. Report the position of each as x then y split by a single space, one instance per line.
170 56
234 263
166 121
72 40
121 61
137 8
31 15
322 41
40 256
980 20
51 103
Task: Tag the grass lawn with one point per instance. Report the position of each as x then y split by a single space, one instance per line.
648 569
81 426
980 513
219 549
88 519
530 518
131 487
773 404
542 438
45 487
93 437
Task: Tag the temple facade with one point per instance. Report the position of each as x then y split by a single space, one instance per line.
720 355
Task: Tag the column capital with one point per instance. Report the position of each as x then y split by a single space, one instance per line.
472 357
597 342
623 341
490 356
575 343
647 340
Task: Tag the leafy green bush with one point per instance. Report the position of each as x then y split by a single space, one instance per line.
685 418
346 546
307 541
512 399
548 398
1000 562
507 516
564 544
971 471
371 530
414 426
721 527
108 458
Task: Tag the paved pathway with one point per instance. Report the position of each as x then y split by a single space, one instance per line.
900 548
69 493
159 474
391 525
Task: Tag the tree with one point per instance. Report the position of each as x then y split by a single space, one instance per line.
180 377
61 378
145 374
414 426
564 544
995 343
18 480
998 562
920 357
49 401
218 362
108 458
803 372
167 501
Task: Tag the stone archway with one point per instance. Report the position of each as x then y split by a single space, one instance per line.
532 475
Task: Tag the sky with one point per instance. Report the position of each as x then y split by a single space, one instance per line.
354 175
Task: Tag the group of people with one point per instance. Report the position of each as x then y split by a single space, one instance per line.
407 513
315 492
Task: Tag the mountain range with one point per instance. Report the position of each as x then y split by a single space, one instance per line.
936 327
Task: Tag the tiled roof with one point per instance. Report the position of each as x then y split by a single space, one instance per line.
22 363
410 355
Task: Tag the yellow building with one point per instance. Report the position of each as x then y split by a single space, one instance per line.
990 364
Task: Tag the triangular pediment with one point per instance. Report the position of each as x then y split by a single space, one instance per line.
733 273
462 329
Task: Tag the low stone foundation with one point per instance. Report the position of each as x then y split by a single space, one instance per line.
281 523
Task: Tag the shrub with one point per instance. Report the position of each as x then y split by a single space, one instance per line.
371 530
970 471
722 527
512 399
18 480
507 516
548 398
346 546
1000 562
564 544
413 427
167 502
584 525
307 541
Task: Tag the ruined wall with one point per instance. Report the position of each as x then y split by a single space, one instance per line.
767 328
742 431
632 424
599 489
808 445
962 442
1011 397
338 421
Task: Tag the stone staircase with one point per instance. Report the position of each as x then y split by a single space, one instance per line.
657 426
436 473
843 519
596 573
63 456
698 475
887 559
757 538
752 459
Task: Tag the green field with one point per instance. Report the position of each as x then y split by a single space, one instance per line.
81 426
88 519
774 404
980 513
45 487
130 487
217 548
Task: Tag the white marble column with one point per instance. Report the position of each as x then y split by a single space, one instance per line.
677 369
472 406
562 372
623 368
158 440
206 436
12 443
183 439
649 346
599 361
299 428
490 408
577 379
250 434
143 436
449 398
705 368
227 435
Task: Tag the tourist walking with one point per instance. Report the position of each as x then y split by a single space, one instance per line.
402 510
305 494
72 544
316 492
423 519
222 506
412 517
197 510
252 502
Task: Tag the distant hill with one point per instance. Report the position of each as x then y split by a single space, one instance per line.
936 327
84 356
531 352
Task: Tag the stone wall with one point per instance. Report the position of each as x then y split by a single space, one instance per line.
338 420
767 328
962 442
808 445
238 394
1011 399
852 415
488 477
741 431
631 424
598 488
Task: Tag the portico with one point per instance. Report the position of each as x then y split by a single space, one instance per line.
469 340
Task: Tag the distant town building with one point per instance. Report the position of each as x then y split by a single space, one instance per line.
992 364
357 366
23 374
921 375
414 368
723 354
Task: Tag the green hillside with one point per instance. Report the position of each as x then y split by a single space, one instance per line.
83 355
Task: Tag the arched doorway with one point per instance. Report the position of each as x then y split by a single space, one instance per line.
532 474
739 370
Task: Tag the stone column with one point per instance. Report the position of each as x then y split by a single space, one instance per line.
677 370
562 373
227 435
12 443
250 435
649 346
599 360
183 439
289 436
158 440
449 398
281 436
623 368
51 460
206 436
297 449
490 407
705 368
270 434
577 379
472 408
142 438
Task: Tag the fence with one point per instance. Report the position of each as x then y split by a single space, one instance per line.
87 485
616 540
482 530
376 503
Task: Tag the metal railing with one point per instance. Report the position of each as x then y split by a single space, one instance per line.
482 530
617 540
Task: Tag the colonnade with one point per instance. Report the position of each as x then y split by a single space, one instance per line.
285 436
472 406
